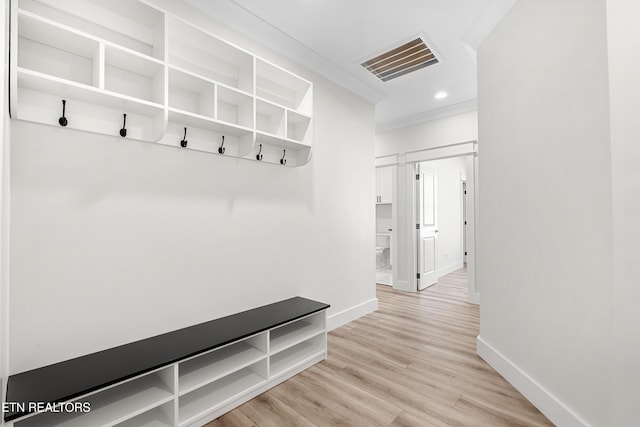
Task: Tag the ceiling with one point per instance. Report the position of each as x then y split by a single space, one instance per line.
333 37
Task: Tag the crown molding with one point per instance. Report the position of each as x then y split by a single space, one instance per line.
243 20
449 110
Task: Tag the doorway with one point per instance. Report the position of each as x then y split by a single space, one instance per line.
405 214
439 199
385 181
463 196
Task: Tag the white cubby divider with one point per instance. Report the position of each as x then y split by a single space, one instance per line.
134 75
107 58
131 24
198 384
204 369
190 93
283 87
114 405
49 48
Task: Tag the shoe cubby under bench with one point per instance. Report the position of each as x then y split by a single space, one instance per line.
182 378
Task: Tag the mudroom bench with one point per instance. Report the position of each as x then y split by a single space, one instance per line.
181 378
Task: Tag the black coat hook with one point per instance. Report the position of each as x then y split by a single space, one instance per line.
259 155
123 131
221 149
283 161
63 120
183 143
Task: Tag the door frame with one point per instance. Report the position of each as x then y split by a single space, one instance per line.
406 269
463 215
426 279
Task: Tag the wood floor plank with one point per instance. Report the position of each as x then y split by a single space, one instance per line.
500 412
233 419
269 411
411 363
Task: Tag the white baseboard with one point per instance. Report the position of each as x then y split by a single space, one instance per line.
403 285
473 298
450 268
345 316
541 398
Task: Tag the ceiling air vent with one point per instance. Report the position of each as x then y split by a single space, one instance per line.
402 60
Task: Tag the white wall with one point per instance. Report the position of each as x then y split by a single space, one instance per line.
115 240
434 133
545 221
4 206
449 256
624 68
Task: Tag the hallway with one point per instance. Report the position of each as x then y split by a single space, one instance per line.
411 363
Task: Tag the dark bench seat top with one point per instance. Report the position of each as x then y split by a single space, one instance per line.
72 378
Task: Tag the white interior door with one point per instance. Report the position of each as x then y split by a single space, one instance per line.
426 229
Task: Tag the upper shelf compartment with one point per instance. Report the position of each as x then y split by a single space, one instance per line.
126 23
208 56
47 48
282 87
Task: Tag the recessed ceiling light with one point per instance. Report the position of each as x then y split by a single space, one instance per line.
441 95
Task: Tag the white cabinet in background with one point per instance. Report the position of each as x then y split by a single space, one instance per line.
384 184
123 67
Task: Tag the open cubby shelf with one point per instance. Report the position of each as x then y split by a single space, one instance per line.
185 377
112 405
293 333
161 416
211 397
107 58
296 355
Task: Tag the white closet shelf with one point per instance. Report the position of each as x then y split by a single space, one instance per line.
130 60
215 395
203 78
233 95
181 78
293 357
153 418
193 48
272 139
55 34
289 335
187 118
111 406
210 367
297 118
40 82
129 23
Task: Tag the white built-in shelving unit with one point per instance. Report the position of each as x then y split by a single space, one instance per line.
196 390
107 58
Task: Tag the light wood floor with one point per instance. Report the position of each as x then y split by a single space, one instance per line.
411 363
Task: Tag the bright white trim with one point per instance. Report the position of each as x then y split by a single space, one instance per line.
5 199
255 392
543 399
443 271
244 20
449 110
443 152
388 160
350 314
473 298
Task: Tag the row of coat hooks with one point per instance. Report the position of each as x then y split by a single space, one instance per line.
222 149
62 121
183 143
